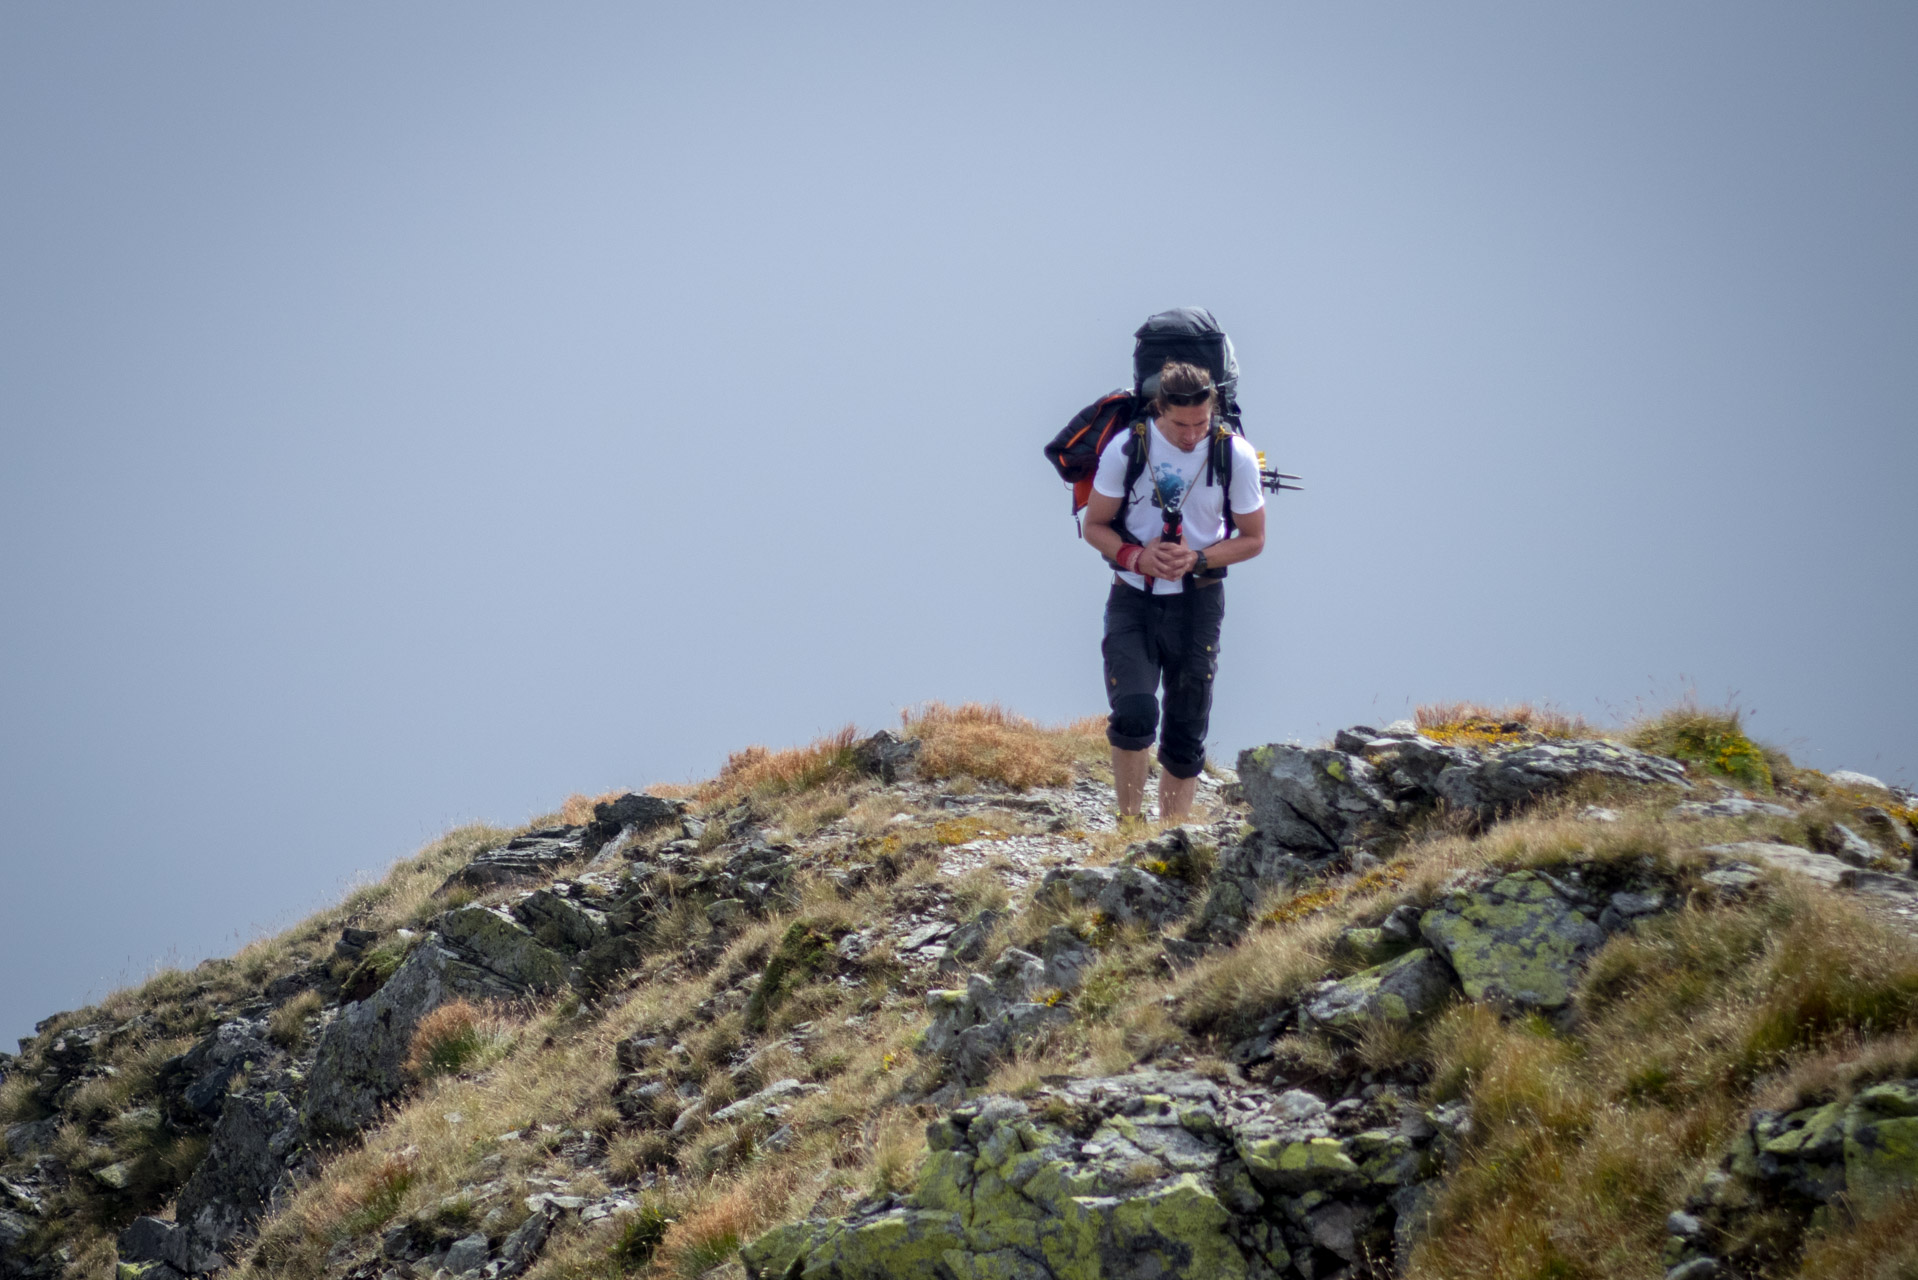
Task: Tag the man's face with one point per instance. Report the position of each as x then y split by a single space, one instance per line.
1186 425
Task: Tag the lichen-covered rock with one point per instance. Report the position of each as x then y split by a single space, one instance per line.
1123 894
1134 1176
1787 1170
245 1162
1399 991
1507 779
537 855
1313 801
1881 1143
358 1066
975 1028
503 946
1515 941
561 922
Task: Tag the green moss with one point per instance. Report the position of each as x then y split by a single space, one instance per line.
801 953
1714 740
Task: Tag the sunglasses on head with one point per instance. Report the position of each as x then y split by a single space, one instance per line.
1184 398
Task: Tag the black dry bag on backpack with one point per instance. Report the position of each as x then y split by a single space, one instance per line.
1184 333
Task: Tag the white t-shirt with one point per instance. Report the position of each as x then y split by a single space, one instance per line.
1180 477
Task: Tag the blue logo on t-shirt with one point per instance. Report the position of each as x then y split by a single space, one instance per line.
1171 485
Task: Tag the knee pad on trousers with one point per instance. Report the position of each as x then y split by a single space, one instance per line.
1135 715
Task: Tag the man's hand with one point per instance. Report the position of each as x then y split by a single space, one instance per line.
1164 559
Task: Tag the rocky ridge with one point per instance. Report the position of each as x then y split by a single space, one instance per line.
1244 1171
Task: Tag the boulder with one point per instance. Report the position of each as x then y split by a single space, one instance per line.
887 757
975 1028
1789 1170
1821 867
503 946
245 1161
358 1066
537 855
634 811
1400 991
561 922
1123 894
1506 780
1313 801
1004 1194
1515 941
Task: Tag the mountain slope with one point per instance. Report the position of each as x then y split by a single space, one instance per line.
1489 995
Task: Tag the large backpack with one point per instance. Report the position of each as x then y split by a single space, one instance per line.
1184 333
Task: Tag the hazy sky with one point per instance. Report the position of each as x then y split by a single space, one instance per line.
416 413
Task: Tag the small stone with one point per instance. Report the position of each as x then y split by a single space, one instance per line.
1696 1269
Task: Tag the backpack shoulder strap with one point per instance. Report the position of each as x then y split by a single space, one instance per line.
1221 462
1135 448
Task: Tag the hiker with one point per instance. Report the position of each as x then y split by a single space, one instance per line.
1168 599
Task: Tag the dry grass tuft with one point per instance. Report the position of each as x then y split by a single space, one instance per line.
756 771
990 744
286 1026
1476 724
577 810
455 1037
1880 1246
1230 993
709 1234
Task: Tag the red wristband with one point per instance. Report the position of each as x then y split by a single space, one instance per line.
1128 557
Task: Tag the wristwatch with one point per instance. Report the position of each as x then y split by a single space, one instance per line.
1200 565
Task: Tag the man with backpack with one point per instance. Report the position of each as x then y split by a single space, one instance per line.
1167 601
1172 494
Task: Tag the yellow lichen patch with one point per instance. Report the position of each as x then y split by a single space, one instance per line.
1473 724
955 831
1388 876
1301 906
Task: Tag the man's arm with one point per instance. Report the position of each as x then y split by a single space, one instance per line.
1159 560
1247 541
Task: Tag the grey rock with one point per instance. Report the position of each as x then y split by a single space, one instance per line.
1401 991
358 1068
522 1248
1684 1225
30 1136
887 757
1732 881
1730 807
537 855
245 1162
635 811
1513 941
1125 894
467 1254
503 946
1852 778
768 1101
1848 846
1821 867
1312 800
1506 780
967 944
559 922
1696 1269
926 935
1067 958
202 1073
